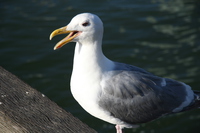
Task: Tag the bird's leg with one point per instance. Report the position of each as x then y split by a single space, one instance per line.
118 129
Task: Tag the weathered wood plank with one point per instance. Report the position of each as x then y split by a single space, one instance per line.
24 109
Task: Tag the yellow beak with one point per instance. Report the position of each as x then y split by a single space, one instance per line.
67 39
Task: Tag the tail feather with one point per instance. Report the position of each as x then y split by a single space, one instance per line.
197 94
195 103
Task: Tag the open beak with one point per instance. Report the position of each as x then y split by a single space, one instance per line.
67 39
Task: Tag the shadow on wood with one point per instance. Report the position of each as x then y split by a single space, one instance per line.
24 109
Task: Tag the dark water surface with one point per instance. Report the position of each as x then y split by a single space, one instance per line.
162 36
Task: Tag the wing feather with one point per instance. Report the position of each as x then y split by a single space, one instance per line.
138 97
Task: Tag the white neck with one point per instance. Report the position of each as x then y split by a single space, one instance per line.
89 57
88 69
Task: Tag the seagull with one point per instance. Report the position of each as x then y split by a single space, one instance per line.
118 93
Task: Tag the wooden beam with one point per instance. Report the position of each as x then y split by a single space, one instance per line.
24 109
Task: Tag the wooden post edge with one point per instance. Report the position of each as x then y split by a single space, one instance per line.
24 109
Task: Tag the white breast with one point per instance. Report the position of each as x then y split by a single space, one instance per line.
86 79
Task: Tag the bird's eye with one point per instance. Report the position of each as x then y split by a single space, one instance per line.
85 24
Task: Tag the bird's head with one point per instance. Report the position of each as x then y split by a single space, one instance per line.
83 27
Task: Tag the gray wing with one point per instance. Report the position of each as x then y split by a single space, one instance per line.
138 96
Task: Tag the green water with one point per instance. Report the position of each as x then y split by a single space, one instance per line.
161 36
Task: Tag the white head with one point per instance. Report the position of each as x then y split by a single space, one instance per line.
83 28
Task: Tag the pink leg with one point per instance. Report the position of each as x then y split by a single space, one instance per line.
118 129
